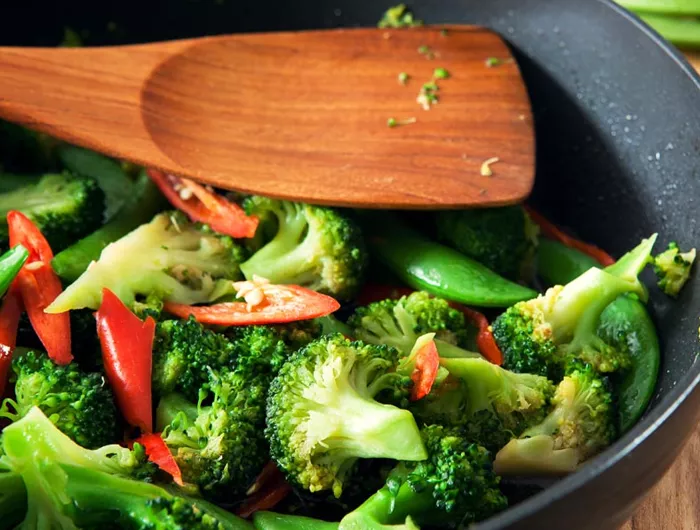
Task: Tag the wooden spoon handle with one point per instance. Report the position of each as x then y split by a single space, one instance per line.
86 96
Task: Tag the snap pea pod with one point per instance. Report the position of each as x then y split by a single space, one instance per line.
10 264
110 176
558 264
663 7
679 30
146 202
440 270
624 324
278 521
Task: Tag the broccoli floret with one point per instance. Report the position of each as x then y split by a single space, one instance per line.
185 352
313 246
453 488
518 400
70 487
64 207
80 404
540 335
322 414
219 447
399 323
672 268
503 239
579 426
169 257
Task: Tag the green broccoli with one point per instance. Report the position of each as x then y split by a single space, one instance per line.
322 414
185 352
64 207
220 447
313 246
672 268
504 239
169 257
518 400
540 335
80 404
399 323
70 487
453 488
579 426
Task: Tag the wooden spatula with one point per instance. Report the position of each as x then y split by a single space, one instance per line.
318 116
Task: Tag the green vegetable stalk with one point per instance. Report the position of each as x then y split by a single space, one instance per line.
10 264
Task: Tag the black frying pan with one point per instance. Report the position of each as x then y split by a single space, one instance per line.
618 156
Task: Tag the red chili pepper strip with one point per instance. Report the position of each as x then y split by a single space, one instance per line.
265 499
127 348
10 311
484 338
427 362
39 286
160 455
205 206
281 304
550 230
270 474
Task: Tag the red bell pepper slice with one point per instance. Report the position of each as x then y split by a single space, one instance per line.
484 338
205 206
39 286
10 311
127 348
281 304
550 230
160 455
427 363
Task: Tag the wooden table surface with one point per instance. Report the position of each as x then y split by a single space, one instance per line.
674 503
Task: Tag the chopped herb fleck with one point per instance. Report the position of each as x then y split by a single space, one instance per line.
399 17
443 32
486 170
428 95
441 73
425 50
393 122
493 61
403 78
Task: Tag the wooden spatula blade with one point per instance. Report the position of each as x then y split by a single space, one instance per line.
304 116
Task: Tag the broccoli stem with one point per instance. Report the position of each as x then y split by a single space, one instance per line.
283 253
99 497
278 521
580 303
391 508
147 201
369 429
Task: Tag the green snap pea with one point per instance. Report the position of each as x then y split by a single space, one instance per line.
278 521
626 323
147 201
558 264
663 7
10 264
437 269
110 176
679 30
